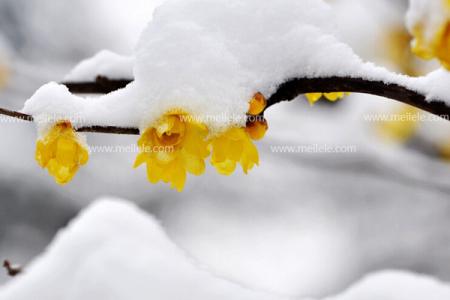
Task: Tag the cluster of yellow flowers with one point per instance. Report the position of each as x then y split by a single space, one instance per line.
436 45
172 147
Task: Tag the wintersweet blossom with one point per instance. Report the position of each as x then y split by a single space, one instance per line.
396 50
172 147
431 32
314 97
61 151
235 146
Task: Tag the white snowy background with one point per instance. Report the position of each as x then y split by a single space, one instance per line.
300 225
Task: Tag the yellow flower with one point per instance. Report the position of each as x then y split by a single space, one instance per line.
438 47
61 152
314 97
437 44
397 50
233 147
173 146
236 146
402 126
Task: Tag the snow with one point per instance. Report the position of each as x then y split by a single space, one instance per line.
105 63
396 285
55 102
115 251
209 57
437 84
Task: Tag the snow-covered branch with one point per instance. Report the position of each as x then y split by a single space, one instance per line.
287 91
293 88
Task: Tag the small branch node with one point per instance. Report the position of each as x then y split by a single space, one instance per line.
12 270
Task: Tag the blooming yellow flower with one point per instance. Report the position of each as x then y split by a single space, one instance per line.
232 147
235 145
61 152
175 145
314 97
431 41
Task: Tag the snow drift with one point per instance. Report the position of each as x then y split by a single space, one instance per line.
113 250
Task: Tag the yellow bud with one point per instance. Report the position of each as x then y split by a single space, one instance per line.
61 152
334 96
257 129
313 97
257 104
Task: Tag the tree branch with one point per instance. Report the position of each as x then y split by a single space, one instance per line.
12 270
101 85
295 87
287 91
16 114
110 129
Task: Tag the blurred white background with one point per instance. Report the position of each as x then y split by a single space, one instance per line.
300 224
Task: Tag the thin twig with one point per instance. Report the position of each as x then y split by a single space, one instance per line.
16 114
12 270
110 129
285 92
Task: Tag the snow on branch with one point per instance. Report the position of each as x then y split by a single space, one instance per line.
293 88
286 91
210 70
